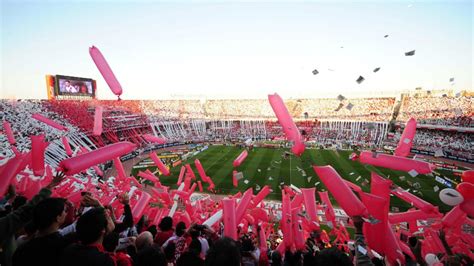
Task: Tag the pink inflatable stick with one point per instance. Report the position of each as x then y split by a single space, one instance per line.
49 122
105 70
243 205
78 163
190 171
412 199
260 196
10 170
165 171
396 162
395 218
406 141
37 151
181 172
286 220
242 156
454 218
353 186
66 145
340 191
154 139
140 206
97 131
329 210
9 133
310 203
120 170
200 170
380 187
289 127
230 224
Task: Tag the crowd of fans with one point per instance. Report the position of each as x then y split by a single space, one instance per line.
55 231
443 142
445 111
66 224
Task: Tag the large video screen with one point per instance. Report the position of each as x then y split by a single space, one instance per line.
74 86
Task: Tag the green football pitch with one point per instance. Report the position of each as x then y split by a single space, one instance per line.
268 166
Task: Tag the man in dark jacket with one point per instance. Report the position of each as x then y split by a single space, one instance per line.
17 219
47 246
91 229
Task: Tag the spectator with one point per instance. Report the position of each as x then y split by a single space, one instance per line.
91 228
166 230
47 246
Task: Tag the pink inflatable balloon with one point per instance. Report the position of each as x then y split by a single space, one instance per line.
190 171
260 196
180 180
468 176
181 172
66 145
329 210
187 183
310 203
49 122
235 182
412 199
154 139
353 186
467 191
396 162
409 216
147 176
140 206
193 188
97 131
289 127
373 232
286 220
120 170
406 141
165 171
298 148
200 170
230 224
454 218
340 191
9 133
242 156
297 226
243 205
105 70
76 164
380 187
97 170
37 151
297 201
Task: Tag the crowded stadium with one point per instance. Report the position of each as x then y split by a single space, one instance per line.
95 172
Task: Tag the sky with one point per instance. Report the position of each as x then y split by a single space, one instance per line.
230 49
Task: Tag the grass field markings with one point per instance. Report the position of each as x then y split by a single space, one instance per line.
318 157
267 154
222 176
350 168
251 169
243 169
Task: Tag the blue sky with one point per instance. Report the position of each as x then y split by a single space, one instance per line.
223 49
